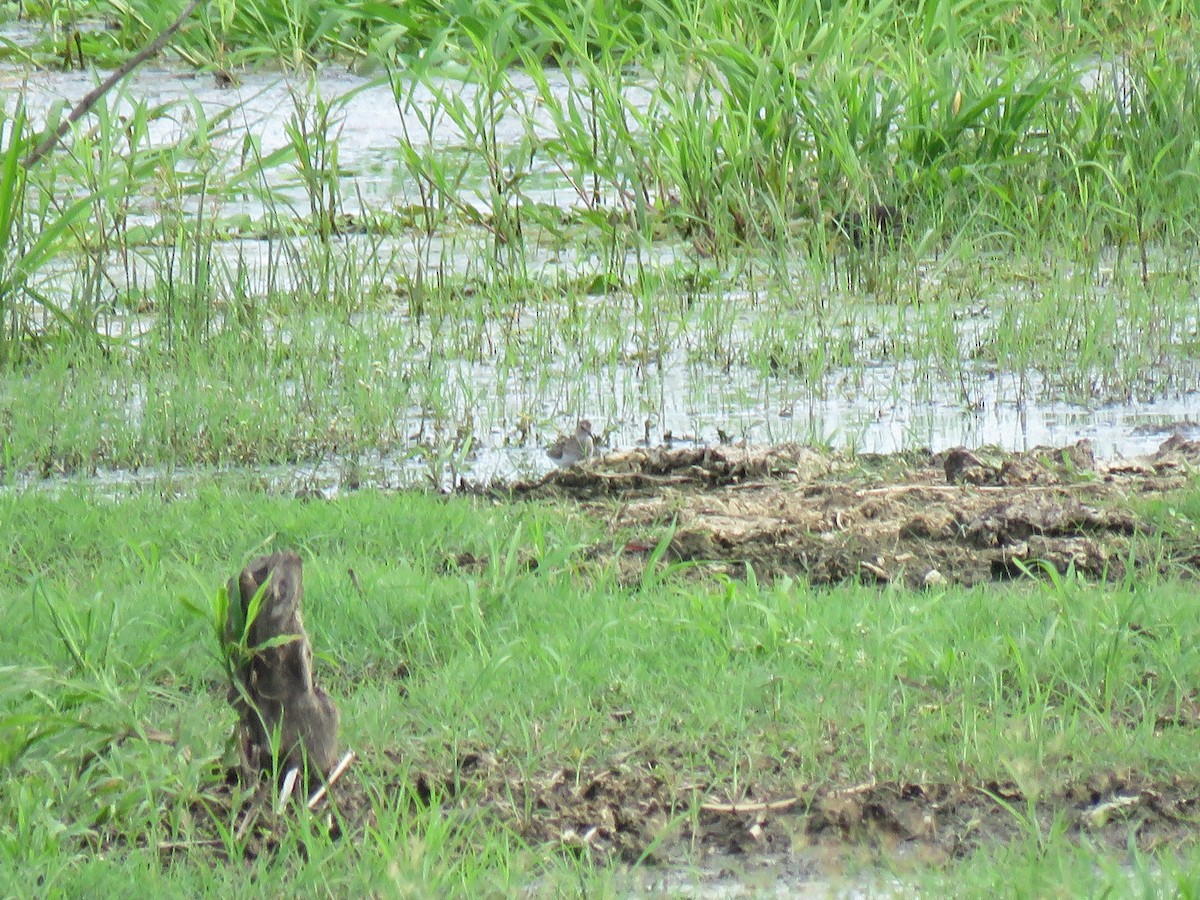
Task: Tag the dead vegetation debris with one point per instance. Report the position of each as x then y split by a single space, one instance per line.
919 520
650 812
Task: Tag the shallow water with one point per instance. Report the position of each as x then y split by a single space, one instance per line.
802 875
882 404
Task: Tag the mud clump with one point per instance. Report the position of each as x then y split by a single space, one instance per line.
651 472
962 516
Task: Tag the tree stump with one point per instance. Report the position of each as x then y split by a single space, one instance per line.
277 702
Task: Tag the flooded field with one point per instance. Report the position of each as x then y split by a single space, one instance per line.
484 351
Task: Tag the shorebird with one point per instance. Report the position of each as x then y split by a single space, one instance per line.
570 449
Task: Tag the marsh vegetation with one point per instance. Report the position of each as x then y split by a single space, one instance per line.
877 228
379 245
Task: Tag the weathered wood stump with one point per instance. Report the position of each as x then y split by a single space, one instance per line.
276 695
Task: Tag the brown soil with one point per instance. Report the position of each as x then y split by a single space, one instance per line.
650 812
624 812
917 519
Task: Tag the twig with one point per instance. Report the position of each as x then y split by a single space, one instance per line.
150 735
944 488
83 106
958 488
187 845
768 806
861 788
250 819
337 773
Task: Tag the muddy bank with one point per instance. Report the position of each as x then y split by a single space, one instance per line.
659 812
915 519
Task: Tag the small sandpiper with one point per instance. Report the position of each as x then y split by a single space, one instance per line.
571 449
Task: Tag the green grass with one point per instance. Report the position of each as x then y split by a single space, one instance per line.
198 299
299 32
1043 685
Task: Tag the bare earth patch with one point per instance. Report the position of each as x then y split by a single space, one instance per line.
916 519
652 812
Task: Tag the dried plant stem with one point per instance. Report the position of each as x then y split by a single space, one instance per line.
769 806
81 108
337 773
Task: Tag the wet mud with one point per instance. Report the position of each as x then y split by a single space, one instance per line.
917 519
658 814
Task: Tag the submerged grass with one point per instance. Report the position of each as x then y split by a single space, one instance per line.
785 193
446 627
305 385
851 154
